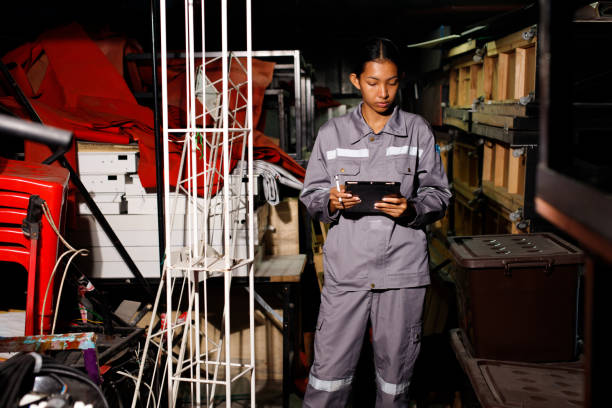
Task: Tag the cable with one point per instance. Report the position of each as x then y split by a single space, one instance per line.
135 379
61 383
59 294
62 370
71 250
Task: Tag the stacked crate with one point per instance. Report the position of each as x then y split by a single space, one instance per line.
491 94
109 172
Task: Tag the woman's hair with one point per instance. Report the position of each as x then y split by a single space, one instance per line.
376 49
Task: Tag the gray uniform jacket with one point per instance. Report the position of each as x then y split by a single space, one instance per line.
375 251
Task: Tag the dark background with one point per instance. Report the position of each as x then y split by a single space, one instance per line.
323 30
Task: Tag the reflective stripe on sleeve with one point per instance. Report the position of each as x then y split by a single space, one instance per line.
391 389
401 150
329 386
332 154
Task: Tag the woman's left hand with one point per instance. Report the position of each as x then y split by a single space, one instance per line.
395 207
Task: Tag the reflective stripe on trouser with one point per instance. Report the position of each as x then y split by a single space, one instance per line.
395 315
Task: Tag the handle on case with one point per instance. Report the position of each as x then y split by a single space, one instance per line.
547 264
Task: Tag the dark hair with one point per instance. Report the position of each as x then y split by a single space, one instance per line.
374 49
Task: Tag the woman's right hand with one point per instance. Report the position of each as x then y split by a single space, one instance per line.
348 200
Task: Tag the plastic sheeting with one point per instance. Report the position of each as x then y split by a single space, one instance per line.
75 83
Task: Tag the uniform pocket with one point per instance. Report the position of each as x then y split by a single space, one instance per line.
347 170
405 165
413 343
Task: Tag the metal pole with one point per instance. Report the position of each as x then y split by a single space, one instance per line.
159 171
251 227
164 82
297 86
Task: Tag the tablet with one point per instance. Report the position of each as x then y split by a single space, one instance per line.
370 192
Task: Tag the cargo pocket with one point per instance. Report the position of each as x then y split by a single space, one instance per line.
414 344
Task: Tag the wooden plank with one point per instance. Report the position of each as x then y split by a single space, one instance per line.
463 86
502 76
464 61
489 68
488 161
511 202
501 166
44 342
508 108
474 76
509 136
506 122
465 164
510 42
524 72
282 268
283 235
516 174
464 189
465 126
461 114
452 87
505 76
461 48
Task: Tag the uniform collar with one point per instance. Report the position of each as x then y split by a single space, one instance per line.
394 125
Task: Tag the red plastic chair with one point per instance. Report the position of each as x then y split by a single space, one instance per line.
18 181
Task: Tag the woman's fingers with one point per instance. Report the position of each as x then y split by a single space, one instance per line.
339 200
393 206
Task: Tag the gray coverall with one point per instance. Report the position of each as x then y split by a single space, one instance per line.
376 267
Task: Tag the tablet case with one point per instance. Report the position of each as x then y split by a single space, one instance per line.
370 192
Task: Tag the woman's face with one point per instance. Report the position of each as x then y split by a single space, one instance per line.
378 84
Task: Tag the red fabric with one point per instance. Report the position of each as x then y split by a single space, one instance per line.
73 85
324 98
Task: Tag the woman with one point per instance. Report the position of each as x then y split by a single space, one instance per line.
376 266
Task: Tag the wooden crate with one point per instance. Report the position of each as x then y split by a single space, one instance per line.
468 215
283 237
457 117
506 72
503 174
442 225
497 220
465 164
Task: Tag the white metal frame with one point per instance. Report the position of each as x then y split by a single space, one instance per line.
185 368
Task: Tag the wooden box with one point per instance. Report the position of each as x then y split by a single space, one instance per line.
283 237
468 215
503 174
465 165
504 70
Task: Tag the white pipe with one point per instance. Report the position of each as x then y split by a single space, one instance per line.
193 207
164 83
148 341
251 252
227 276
